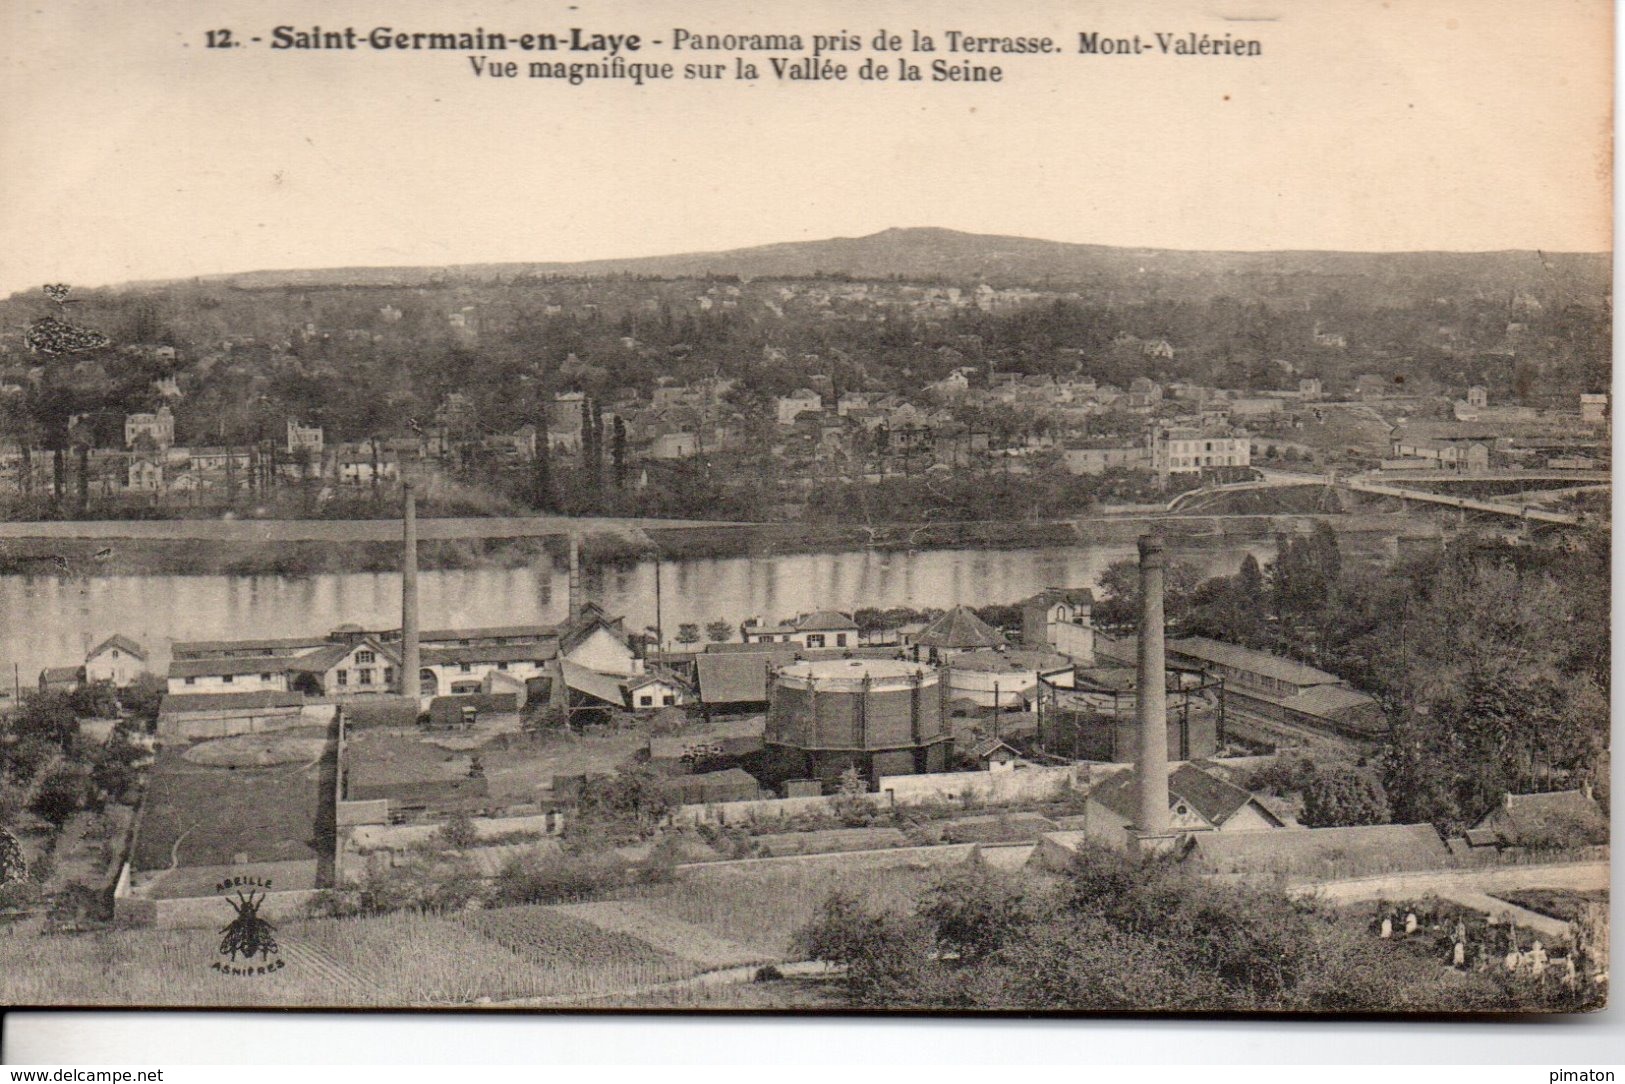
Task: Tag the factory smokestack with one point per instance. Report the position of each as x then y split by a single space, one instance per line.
575 577
409 595
1151 695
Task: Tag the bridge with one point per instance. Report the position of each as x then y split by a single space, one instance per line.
1385 484
1533 513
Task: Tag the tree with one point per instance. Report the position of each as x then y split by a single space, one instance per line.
977 911
47 716
1118 606
1250 580
61 794
618 452
635 794
1342 796
13 863
718 631
688 633
542 495
94 700
458 833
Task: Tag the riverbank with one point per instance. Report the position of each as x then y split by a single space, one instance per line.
313 547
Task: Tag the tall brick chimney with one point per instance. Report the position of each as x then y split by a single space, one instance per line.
408 677
575 577
1151 697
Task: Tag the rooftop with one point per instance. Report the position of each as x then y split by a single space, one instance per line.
853 669
1261 663
960 628
825 621
737 677
1215 800
1322 852
120 641
255 699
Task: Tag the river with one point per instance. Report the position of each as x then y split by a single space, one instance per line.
54 620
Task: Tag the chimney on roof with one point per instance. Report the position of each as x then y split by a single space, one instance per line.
408 678
575 576
1151 698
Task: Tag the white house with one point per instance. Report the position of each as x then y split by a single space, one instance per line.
1060 619
158 427
308 437
454 670
655 690
1187 451
594 641
117 659
362 668
823 629
799 402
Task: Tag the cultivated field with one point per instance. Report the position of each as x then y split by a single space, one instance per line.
603 954
206 814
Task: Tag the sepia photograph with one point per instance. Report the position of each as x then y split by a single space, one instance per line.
912 507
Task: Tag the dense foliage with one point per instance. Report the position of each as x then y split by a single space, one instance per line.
1115 933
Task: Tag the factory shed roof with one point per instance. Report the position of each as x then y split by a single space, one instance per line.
1321 852
1246 659
1535 819
738 678
960 628
605 687
478 653
256 699
266 664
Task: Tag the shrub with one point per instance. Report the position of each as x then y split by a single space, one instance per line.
61 794
1340 797
458 833
556 879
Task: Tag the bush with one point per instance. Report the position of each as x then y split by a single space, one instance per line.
330 903
61 794
535 878
458 833
769 973
1340 797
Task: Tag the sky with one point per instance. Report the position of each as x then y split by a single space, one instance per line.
130 151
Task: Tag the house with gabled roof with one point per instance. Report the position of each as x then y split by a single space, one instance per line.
954 632
117 659
1198 801
1553 819
1059 618
597 641
824 628
363 668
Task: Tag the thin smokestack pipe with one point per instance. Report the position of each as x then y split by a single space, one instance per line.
409 595
575 577
1151 695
